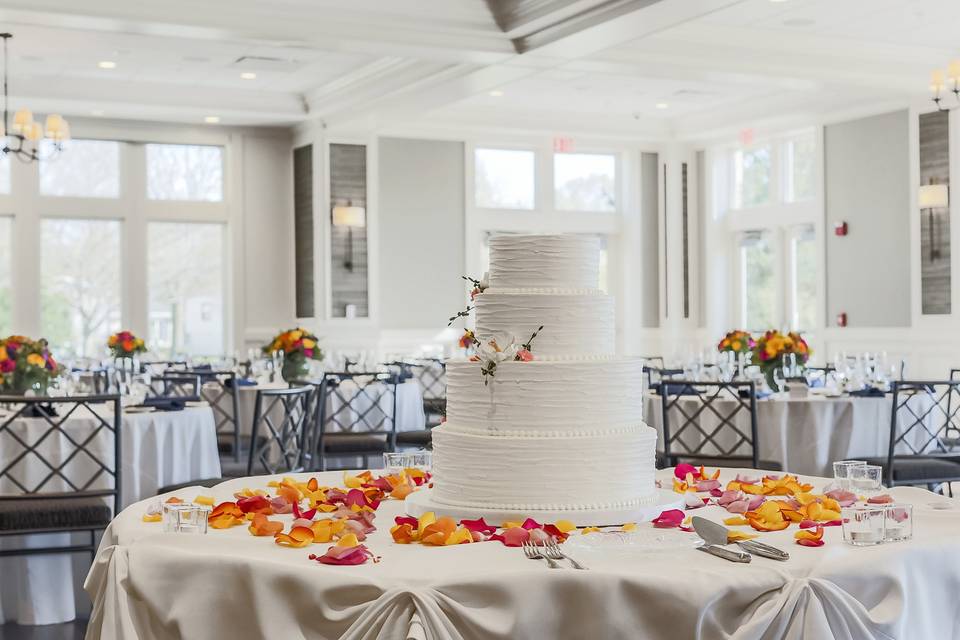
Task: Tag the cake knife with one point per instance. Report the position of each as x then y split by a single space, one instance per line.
716 534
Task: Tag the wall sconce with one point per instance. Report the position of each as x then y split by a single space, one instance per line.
929 197
349 216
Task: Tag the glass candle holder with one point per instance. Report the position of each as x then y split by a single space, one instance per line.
863 525
866 479
185 518
841 472
397 461
899 522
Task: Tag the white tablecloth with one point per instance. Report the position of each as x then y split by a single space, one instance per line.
410 416
806 435
231 585
157 449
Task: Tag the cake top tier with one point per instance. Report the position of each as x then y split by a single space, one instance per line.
547 262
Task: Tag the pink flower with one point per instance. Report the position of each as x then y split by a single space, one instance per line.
308 353
524 356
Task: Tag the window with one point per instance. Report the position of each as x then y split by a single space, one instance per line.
751 177
757 281
800 165
585 182
803 278
184 172
6 277
185 281
79 284
86 169
4 173
504 179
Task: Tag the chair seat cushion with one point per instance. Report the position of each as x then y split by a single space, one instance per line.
419 438
726 463
353 443
920 469
24 514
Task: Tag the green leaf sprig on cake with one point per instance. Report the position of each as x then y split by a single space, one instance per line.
479 286
491 354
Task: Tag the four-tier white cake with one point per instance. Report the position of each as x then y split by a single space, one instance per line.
564 432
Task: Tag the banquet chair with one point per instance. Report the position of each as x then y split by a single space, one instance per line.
180 385
711 423
924 444
219 389
431 376
655 361
356 416
159 367
655 375
57 474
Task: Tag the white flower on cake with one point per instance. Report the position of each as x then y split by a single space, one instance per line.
491 353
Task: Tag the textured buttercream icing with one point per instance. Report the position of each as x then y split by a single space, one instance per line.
565 431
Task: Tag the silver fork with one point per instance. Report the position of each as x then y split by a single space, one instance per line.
533 552
553 550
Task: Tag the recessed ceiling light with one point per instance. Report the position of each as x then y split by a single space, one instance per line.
248 75
496 93
107 64
97 112
212 119
663 105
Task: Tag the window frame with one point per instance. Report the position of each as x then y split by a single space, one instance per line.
537 183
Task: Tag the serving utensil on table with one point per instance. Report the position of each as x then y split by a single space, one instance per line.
533 552
716 535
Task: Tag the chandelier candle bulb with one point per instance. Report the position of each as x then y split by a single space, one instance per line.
953 71
22 121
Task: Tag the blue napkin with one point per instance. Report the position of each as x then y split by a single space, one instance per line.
869 392
240 382
164 404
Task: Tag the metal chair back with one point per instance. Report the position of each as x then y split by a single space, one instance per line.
180 385
282 431
712 422
219 389
356 404
924 423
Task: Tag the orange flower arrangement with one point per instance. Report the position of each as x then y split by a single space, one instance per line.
124 344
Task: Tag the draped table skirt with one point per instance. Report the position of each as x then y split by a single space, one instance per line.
228 584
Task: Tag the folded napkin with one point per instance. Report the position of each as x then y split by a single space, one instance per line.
164 404
761 393
202 367
869 392
240 382
40 411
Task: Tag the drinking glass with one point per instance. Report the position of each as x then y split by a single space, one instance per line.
866 479
863 525
841 472
183 517
397 461
899 522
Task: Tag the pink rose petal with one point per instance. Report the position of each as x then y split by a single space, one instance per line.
738 506
708 485
881 499
729 496
716 493
683 469
479 526
669 519
692 501
755 502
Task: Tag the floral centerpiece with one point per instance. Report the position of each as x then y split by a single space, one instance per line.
772 350
124 344
736 341
298 347
26 365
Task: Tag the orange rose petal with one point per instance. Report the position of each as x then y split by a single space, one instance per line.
735 521
262 526
297 538
735 536
152 518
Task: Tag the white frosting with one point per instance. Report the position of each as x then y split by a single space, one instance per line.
573 324
559 396
567 261
595 471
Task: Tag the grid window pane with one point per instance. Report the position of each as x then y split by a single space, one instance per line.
79 285
85 169
6 277
184 172
504 179
4 173
751 170
757 284
801 164
585 182
185 274
803 285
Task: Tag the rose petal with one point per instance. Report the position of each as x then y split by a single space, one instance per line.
881 499
692 501
478 525
708 485
669 519
682 469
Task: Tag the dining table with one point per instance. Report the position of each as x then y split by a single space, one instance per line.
158 448
228 584
806 433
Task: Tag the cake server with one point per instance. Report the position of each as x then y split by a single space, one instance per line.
716 534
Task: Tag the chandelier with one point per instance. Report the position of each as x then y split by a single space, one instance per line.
22 138
939 82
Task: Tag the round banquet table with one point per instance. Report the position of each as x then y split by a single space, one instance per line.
806 435
158 448
231 585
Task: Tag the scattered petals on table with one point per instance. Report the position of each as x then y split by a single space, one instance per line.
297 538
810 537
669 519
255 504
347 551
692 501
737 536
881 499
843 498
263 526
207 501
735 521
226 515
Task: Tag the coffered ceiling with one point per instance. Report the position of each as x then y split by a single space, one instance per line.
623 65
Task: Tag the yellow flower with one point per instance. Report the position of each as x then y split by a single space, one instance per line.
295 335
36 360
308 343
112 341
3 354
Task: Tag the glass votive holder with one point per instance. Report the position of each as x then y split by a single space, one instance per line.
866 479
841 472
184 517
397 461
863 524
899 522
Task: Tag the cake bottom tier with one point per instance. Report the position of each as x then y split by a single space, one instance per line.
511 471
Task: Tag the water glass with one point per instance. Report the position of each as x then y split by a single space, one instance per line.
184 517
899 523
864 524
866 479
397 461
841 472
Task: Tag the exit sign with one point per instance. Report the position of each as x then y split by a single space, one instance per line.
562 144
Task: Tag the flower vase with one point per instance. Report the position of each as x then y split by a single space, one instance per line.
295 368
126 369
768 375
24 382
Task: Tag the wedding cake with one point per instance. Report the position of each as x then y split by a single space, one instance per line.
560 428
